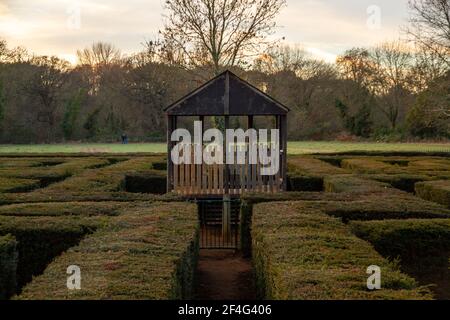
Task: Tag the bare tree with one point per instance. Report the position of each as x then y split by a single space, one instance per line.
95 60
44 86
430 26
99 54
392 65
3 49
356 65
428 66
220 33
294 59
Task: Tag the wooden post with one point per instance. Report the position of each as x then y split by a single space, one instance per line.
249 122
226 212
283 146
171 127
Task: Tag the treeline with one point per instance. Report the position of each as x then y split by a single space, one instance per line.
389 92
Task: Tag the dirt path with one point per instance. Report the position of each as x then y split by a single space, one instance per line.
224 275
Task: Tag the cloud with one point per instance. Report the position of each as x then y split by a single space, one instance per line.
334 26
326 27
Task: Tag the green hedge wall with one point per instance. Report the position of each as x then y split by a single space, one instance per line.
355 184
8 266
300 253
146 183
40 239
437 191
408 239
304 183
148 252
18 185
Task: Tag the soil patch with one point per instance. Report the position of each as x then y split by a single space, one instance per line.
224 275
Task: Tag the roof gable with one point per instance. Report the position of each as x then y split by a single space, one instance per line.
226 94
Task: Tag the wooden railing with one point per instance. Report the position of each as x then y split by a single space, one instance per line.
220 179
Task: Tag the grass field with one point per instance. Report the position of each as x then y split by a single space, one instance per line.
297 147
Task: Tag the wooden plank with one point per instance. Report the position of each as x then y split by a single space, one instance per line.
176 183
241 174
204 178
256 178
181 178
248 170
215 178
283 145
193 174
198 183
209 179
221 181
170 175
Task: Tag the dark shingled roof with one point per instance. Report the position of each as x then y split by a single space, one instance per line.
211 99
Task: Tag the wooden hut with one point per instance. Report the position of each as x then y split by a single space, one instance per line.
225 96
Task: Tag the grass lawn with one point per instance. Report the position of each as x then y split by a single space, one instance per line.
297 147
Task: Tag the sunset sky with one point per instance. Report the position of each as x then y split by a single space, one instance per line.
324 27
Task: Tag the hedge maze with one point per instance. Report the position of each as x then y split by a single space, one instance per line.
345 213
129 244
109 215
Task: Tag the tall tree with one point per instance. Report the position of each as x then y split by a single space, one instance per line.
99 54
2 104
220 33
391 82
430 26
71 113
97 59
44 87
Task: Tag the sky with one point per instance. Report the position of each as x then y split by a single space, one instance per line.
325 28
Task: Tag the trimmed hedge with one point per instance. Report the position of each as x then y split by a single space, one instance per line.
384 206
405 182
355 184
254 197
367 165
18 185
437 191
8 266
430 165
64 209
106 179
309 166
40 239
304 183
160 165
300 253
421 246
146 183
147 253
119 196
61 171
307 173
18 162
409 239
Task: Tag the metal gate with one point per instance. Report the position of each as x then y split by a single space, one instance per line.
219 228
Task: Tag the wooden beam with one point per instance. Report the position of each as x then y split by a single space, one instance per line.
171 126
249 122
227 95
283 146
226 179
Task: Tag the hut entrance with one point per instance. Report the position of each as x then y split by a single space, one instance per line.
219 222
